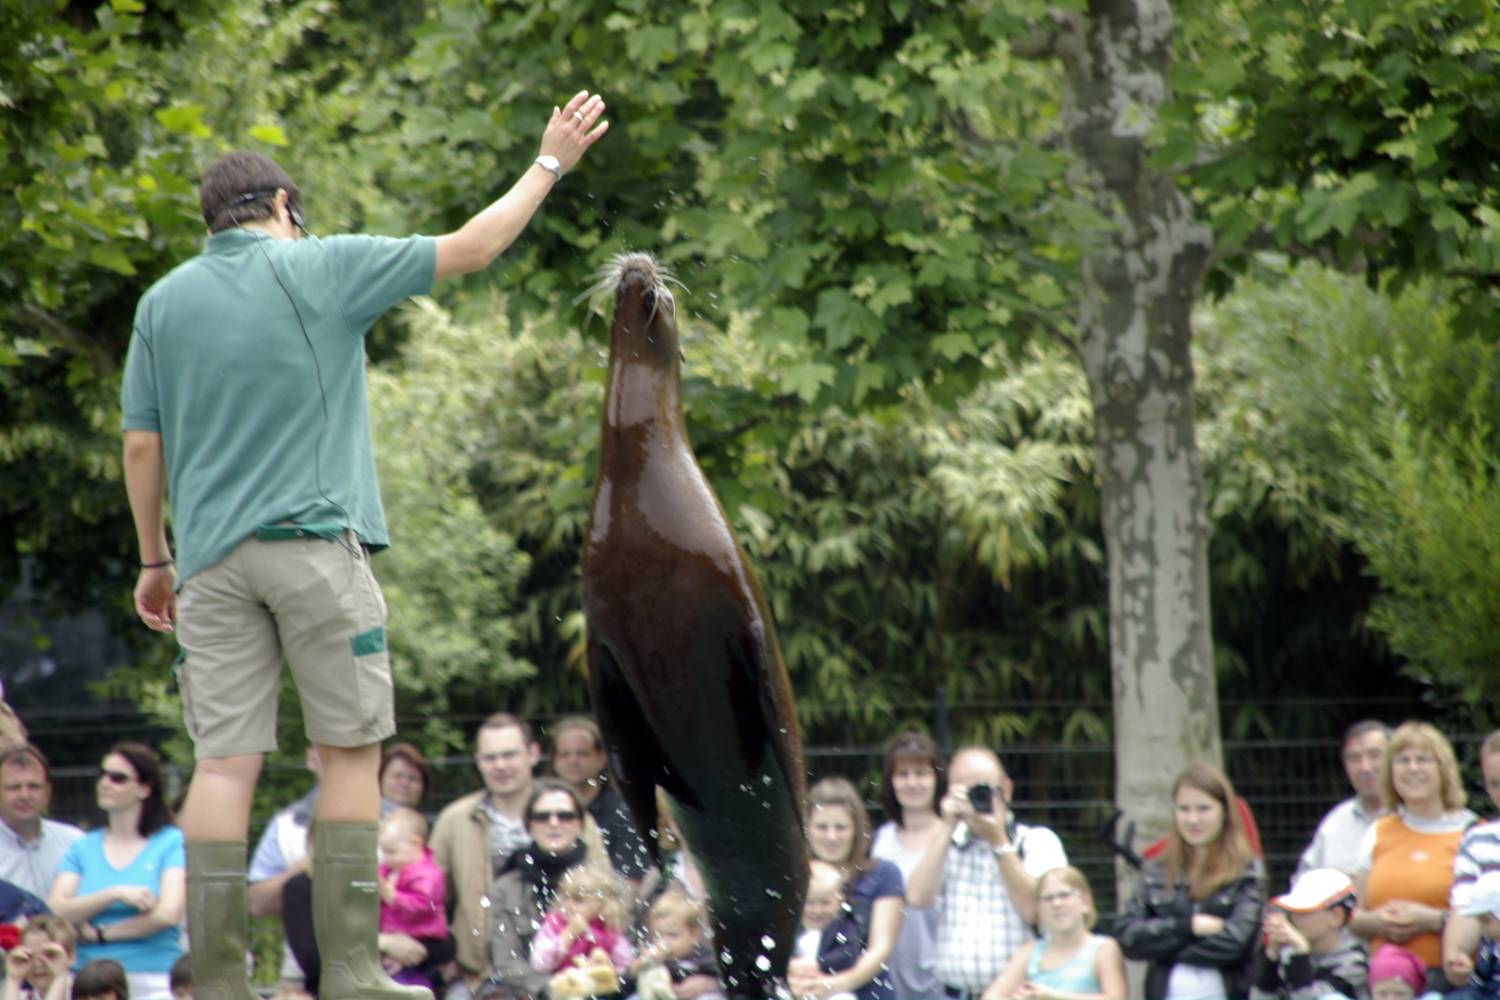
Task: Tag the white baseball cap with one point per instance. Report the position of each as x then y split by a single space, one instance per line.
1316 890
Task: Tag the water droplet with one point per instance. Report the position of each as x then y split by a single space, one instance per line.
767 942
773 894
763 963
726 957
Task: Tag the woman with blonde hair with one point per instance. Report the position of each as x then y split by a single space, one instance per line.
1405 866
838 831
1195 914
1070 962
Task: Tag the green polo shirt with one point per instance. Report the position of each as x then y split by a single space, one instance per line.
249 361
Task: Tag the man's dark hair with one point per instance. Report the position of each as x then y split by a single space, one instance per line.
26 755
505 720
240 173
1362 728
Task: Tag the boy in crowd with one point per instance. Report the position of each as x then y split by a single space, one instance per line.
37 967
1308 953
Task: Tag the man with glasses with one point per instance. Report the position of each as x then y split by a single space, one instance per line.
31 845
476 835
1336 842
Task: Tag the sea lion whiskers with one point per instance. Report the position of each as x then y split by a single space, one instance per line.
606 280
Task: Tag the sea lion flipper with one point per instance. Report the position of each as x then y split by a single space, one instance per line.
635 758
758 663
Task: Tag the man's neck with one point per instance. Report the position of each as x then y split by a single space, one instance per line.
510 806
28 830
1372 807
589 791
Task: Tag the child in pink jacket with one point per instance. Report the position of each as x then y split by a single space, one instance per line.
411 887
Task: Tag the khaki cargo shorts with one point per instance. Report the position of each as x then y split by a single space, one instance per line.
308 600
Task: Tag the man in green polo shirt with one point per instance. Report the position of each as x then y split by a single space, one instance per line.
244 398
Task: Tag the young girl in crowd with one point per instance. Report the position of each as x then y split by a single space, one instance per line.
1398 974
676 953
828 940
412 892
1069 961
586 925
37 967
1196 911
101 979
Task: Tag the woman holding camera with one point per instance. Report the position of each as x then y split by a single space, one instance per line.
1196 912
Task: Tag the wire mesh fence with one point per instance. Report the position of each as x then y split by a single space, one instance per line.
1289 784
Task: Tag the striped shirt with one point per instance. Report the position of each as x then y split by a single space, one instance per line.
1478 852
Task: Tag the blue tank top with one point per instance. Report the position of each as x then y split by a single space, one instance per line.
1076 975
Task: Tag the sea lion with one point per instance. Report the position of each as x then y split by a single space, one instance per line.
684 671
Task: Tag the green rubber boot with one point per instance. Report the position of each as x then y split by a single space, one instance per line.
346 916
217 913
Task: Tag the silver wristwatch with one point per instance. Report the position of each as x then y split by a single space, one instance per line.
550 164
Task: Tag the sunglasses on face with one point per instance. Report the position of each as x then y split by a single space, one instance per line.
115 777
548 815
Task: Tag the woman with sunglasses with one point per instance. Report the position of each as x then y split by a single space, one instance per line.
123 885
526 887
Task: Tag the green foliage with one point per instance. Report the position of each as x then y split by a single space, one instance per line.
1362 132
1370 422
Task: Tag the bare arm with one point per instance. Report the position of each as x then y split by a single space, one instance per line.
1460 941
64 900
1012 976
265 895
145 476
927 877
570 132
885 925
166 913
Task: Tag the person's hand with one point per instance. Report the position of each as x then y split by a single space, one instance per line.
156 597
1401 919
573 128
1278 931
695 986
54 957
576 925
1206 924
1458 967
388 888
1034 991
137 897
403 949
17 963
955 806
990 826
818 987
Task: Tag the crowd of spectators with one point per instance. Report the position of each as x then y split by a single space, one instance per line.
540 886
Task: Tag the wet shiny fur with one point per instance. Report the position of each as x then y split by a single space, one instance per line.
684 672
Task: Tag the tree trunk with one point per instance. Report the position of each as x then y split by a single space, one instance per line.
1140 280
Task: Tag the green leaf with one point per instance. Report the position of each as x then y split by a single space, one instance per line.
807 379
953 345
109 255
845 319
271 135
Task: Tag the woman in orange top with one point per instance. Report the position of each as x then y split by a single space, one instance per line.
1406 860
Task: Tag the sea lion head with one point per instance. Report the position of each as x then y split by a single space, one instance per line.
645 322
